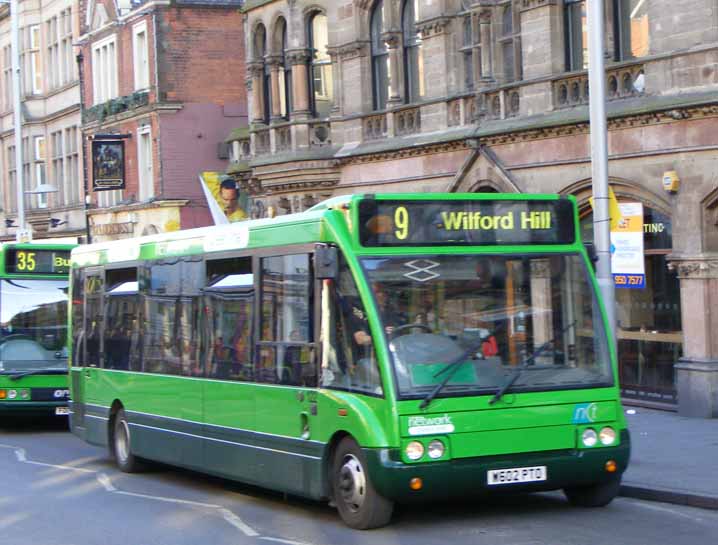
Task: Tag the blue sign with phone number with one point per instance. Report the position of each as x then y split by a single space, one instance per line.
631 281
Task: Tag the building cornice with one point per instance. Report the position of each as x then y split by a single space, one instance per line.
698 267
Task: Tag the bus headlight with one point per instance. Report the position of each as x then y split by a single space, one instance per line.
435 449
607 436
589 437
414 450
12 394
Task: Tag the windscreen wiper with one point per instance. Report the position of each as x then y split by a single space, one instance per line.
450 369
524 364
18 376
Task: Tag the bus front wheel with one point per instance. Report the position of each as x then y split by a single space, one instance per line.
595 495
121 445
359 504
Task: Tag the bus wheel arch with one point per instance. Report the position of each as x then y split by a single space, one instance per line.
352 492
114 409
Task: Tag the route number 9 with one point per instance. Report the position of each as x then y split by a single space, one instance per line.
401 220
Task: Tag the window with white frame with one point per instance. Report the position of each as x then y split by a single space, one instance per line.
7 77
72 166
33 78
40 169
141 55
57 165
144 163
26 167
12 180
67 59
104 70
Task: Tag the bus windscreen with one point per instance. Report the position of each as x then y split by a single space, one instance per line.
465 222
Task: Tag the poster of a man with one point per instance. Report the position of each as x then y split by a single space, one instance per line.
226 202
108 162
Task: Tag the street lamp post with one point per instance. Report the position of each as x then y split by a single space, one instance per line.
599 158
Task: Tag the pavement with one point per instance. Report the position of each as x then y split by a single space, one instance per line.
674 459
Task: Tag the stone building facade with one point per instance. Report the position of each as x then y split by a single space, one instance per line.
51 142
492 95
161 77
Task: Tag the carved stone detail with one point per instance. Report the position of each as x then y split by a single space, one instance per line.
694 267
350 50
433 27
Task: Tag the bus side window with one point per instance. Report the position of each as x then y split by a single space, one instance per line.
94 287
78 317
285 348
121 309
346 364
228 319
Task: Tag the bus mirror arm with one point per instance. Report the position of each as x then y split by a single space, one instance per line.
592 256
326 262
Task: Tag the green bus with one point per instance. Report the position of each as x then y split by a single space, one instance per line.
34 281
374 349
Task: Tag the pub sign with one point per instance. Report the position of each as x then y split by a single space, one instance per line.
108 165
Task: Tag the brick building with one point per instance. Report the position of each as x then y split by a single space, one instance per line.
162 79
492 95
50 99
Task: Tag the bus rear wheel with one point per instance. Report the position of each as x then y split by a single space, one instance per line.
359 504
595 495
122 446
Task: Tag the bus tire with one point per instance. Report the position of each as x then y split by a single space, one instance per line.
595 495
359 504
122 446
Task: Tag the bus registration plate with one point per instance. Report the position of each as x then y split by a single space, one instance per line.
516 475
62 410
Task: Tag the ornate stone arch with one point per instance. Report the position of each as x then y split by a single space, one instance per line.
623 189
274 38
258 26
491 186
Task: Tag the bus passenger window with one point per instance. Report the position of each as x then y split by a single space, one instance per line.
121 310
227 322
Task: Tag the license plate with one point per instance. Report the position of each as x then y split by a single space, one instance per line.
516 475
62 410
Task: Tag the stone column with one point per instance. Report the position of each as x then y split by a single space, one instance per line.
275 65
299 59
396 81
435 44
542 42
697 370
256 71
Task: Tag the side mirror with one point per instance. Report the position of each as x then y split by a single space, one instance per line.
592 256
326 262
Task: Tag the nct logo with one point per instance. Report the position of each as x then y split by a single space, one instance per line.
584 413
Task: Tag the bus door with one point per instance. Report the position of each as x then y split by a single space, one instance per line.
286 369
91 355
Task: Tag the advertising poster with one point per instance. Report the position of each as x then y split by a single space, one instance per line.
226 201
627 261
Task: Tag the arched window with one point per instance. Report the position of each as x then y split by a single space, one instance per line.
413 55
321 85
285 70
470 47
379 58
260 50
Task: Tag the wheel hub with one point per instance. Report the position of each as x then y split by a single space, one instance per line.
352 483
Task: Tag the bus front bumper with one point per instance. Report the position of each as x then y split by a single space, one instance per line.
34 407
469 476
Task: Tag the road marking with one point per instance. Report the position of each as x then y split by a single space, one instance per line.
652 507
287 541
106 483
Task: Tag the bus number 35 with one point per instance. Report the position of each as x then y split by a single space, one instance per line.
26 261
401 220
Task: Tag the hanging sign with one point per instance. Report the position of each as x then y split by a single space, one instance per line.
627 259
108 165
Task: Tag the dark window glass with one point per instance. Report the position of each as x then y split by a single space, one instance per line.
94 286
321 84
228 319
413 54
171 306
286 352
576 46
78 317
631 28
121 314
348 355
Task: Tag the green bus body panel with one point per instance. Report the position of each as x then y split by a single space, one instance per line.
280 436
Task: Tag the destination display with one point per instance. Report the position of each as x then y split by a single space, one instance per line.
465 223
36 261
